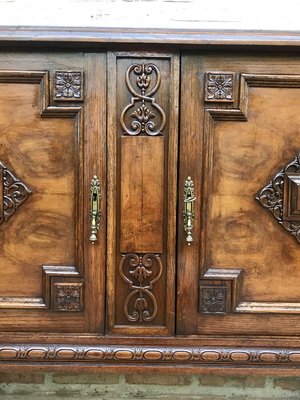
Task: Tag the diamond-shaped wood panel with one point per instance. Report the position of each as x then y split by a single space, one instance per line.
13 193
281 197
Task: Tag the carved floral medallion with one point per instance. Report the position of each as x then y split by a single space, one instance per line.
68 85
219 87
68 296
13 193
213 299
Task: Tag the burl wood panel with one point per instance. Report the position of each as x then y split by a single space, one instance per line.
242 146
142 165
142 191
245 157
41 152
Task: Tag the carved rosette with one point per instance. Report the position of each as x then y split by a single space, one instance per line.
213 299
280 196
13 192
68 85
143 115
219 87
138 272
68 296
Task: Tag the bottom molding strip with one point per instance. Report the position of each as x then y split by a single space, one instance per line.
162 355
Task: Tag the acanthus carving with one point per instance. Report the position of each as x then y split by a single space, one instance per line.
15 193
219 87
271 197
68 85
138 272
148 117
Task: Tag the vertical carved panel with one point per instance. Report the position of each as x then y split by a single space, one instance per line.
142 199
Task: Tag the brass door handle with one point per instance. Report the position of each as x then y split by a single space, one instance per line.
188 212
95 212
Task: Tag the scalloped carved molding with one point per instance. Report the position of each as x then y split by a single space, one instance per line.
149 354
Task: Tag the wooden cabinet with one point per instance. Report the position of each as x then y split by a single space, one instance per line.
149 204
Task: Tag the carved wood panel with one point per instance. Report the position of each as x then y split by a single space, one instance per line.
41 175
142 192
244 143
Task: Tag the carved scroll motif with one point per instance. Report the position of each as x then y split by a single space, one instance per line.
272 196
138 272
14 193
147 116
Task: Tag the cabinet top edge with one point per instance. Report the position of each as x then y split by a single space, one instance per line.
177 37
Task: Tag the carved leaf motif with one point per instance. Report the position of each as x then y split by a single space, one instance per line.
68 297
213 299
15 192
68 85
271 197
219 87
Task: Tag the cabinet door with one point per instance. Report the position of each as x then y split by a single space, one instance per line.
52 118
142 173
240 144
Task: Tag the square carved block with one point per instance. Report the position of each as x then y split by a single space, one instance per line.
215 297
291 206
67 296
68 86
220 87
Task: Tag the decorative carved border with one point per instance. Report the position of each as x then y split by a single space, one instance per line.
49 111
237 111
107 354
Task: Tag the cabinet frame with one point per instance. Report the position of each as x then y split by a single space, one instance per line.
184 354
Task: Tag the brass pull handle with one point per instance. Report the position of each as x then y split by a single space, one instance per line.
188 212
95 212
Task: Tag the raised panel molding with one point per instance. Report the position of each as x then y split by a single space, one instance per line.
215 294
66 274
